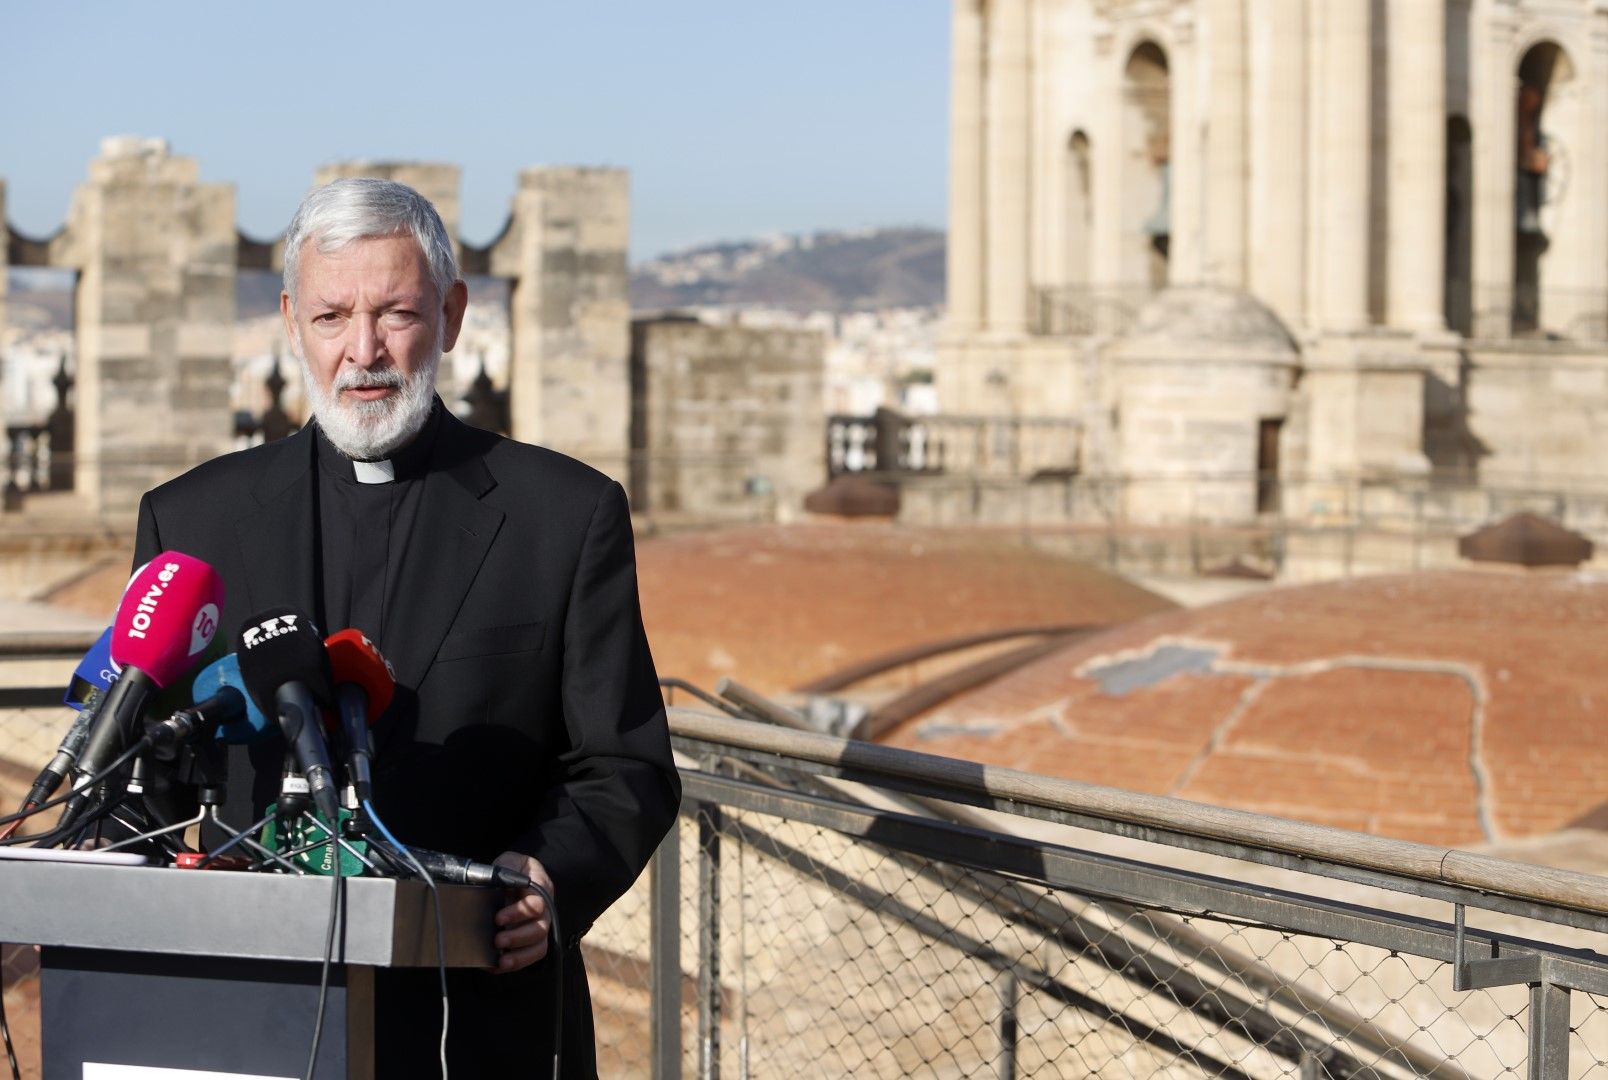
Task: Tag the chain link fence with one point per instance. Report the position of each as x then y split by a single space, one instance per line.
826 935
838 958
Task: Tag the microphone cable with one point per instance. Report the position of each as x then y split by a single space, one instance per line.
5 1033
417 867
329 949
116 764
464 871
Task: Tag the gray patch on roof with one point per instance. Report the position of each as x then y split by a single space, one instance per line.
937 729
1160 664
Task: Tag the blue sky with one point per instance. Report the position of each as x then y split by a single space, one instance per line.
737 118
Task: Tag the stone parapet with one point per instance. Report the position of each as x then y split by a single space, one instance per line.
155 249
566 249
727 420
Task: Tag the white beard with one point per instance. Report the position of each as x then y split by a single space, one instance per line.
367 430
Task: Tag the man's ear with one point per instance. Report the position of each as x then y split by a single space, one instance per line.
287 312
452 310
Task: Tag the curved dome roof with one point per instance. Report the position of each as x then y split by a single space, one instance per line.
1450 708
1209 315
775 607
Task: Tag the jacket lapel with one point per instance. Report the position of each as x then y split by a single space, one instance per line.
277 542
451 535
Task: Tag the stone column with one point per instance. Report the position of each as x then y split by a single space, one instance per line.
964 273
1226 173
1594 174
570 313
1278 165
1495 82
1186 257
1416 260
1343 165
1106 152
156 252
1009 84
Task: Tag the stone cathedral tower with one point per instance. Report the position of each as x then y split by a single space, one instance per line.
1322 239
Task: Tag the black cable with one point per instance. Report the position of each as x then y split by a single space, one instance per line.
556 941
329 953
5 1032
56 834
119 762
142 831
555 948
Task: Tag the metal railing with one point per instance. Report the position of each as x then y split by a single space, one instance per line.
833 908
841 909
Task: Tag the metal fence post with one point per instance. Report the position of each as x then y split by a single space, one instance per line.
709 825
1549 1032
1008 994
664 963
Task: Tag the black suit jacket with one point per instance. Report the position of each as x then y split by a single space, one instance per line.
528 715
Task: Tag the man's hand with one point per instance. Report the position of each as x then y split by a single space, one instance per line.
523 925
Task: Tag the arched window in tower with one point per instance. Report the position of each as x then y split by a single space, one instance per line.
1147 152
1542 161
1079 211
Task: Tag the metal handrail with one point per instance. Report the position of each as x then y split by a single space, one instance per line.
1460 877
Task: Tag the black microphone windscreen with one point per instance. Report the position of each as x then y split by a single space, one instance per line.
279 646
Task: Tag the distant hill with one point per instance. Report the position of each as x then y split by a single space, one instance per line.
828 271
839 272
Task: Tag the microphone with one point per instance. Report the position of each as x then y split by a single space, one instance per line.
167 617
220 678
364 683
226 707
85 692
94 672
286 671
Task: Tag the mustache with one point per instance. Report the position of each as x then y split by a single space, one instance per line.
359 379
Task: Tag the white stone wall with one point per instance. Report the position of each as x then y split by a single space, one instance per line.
1540 415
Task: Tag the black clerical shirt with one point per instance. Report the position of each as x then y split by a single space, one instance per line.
364 526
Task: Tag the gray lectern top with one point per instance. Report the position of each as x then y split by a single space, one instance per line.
388 923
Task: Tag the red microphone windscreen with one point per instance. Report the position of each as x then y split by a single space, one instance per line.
355 659
167 617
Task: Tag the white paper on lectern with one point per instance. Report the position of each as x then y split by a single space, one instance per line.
97 1070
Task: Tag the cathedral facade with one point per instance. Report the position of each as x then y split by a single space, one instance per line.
1266 251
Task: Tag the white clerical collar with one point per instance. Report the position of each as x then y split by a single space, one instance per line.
374 472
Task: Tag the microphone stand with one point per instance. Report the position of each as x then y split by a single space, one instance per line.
200 816
266 855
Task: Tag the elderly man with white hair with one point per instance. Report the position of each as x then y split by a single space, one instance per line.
500 581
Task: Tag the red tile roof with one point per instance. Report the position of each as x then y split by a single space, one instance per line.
1448 707
777 606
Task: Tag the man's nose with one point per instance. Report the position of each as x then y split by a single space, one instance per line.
366 345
